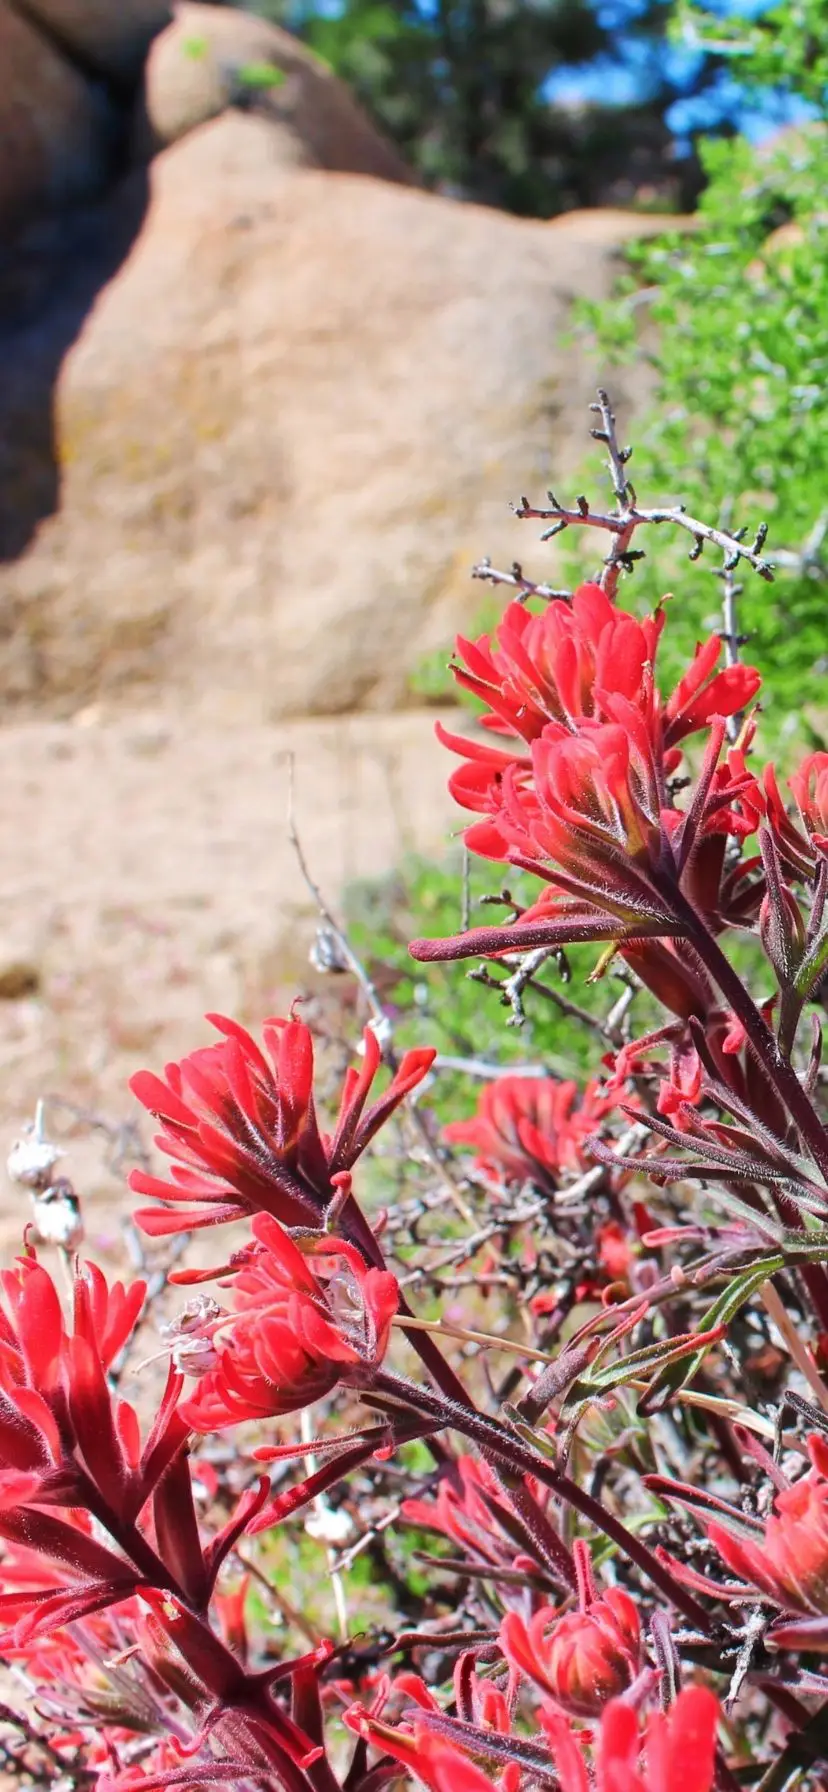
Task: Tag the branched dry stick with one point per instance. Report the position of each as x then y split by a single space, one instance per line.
730 636
514 985
756 1623
636 1135
623 522
516 579
511 991
628 516
485 1069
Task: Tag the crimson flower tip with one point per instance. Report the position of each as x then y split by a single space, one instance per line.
239 1122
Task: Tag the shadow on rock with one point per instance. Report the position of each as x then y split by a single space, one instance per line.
50 278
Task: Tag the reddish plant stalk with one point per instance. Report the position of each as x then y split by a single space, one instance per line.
505 1447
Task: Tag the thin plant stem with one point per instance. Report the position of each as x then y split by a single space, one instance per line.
442 1328
506 1447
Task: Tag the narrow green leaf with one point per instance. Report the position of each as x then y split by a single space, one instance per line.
674 1377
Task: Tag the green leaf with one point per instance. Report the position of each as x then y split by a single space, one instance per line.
674 1376
631 1367
260 76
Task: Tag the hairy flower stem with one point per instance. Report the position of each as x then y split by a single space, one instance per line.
125 1533
249 1699
550 1547
778 1069
492 1437
357 1230
776 1065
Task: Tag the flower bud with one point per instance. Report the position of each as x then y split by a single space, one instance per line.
782 932
582 1659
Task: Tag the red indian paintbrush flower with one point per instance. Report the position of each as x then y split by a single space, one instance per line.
590 803
679 1750
470 1509
810 789
447 1754
432 1760
573 667
586 802
435 1759
66 1440
548 668
58 1421
583 1658
241 1125
567 664
593 817
798 842
789 1564
529 1129
304 1320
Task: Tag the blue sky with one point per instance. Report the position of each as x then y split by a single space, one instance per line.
622 78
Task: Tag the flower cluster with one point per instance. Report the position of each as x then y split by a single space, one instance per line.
240 1124
304 1320
554 1548
676 1752
126 1565
586 798
531 1129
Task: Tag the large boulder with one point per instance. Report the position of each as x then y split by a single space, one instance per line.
110 37
287 427
213 57
56 127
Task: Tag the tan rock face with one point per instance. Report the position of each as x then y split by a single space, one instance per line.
213 57
110 37
287 428
55 128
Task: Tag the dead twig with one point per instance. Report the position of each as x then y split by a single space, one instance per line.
517 581
628 516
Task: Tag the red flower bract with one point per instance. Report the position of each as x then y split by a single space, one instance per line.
304 1320
789 1564
593 803
679 1750
567 664
530 1128
66 1440
432 1760
810 789
241 1125
581 1659
58 1420
547 668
